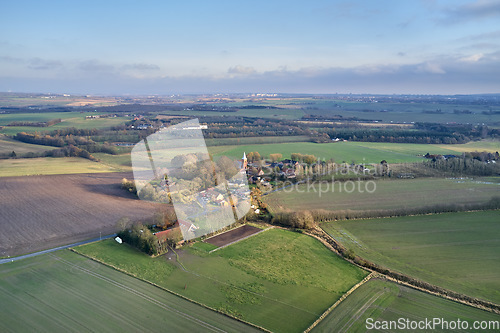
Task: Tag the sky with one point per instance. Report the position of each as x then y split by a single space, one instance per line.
173 47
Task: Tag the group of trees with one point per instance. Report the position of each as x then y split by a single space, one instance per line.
129 185
299 220
308 159
460 166
68 151
397 136
141 237
66 140
253 156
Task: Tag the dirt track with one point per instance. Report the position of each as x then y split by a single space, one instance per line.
233 235
40 212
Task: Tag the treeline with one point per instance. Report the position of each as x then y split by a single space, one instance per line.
257 128
460 166
322 215
299 220
307 219
67 151
426 133
45 140
35 124
397 136
67 140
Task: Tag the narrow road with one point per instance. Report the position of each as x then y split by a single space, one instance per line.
6 260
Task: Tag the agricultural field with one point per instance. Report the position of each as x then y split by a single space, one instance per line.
339 151
29 100
483 145
67 292
6 119
255 140
360 152
457 251
51 166
421 149
120 162
386 194
8 145
69 119
41 212
387 301
278 279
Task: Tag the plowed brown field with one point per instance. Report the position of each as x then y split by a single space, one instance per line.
41 212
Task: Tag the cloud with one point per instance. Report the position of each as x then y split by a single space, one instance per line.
477 10
491 35
141 67
430 67
95 66
472 58
461 74
11 60
42 64
241 70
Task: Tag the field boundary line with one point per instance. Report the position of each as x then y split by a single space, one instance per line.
385 273
170 291
238 240
343 297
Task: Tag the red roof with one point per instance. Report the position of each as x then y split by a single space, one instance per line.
163 233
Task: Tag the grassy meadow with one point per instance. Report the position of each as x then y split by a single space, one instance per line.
8 145
278 279
67 292
387 301
387 194
457 251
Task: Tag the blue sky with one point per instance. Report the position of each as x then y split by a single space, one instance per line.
164 47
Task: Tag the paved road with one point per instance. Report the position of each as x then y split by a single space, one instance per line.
6 260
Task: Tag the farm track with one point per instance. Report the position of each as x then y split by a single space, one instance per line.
42 212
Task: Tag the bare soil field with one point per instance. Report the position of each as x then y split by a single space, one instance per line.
41 212
233 235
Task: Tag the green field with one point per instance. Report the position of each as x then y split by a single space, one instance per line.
386 301
278 279
457 251
50 166
69 119
65 292
8 145
422 149
120 162
361 152
339 151
388 194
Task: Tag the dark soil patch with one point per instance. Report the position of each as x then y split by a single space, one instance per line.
233 235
